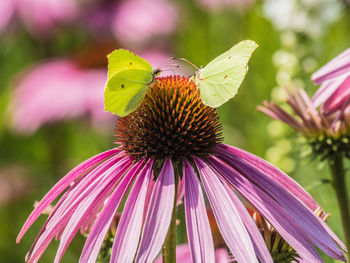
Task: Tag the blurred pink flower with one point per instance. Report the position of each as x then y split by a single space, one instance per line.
58 90
42 15
7 8
183 255
214 5
137 21
334 78
39 16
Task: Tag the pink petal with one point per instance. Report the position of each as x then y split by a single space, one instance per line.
271 210
230 224
70 220
158 215
275 174
198 228
89 204
336 67
311 224
103 222
258 242
129 228
61 186
338 98
327 89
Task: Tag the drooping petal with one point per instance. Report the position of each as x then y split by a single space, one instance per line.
336 67
198 228
57 221
311 224
326 90
61 186
158 215
274 173
229 222
338 98
129 228
103 222
89 204
258 242
72 218
271 210
283 179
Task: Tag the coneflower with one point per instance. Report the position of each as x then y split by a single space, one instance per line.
327 133
168 149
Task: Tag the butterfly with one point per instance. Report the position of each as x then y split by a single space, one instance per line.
129 77
220 79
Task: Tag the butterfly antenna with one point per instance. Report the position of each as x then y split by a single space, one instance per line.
183 59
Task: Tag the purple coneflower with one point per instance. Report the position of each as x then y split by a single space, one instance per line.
334 77
329 138
327 134
170 148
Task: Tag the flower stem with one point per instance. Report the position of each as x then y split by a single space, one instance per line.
169 246
339 184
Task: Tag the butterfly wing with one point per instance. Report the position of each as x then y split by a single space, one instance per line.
125 91
128 79
122 59
220 79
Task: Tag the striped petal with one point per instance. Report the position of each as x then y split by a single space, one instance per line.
271 210
198 228
311 224
258 242
61 186
334 68
103 222
158 215
229 222
129 228
71 220
275 174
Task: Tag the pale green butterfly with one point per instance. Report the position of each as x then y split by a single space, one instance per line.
129 77
220 79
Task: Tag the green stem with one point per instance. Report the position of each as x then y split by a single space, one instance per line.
169 246
339 185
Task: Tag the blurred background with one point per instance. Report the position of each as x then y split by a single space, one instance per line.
53 71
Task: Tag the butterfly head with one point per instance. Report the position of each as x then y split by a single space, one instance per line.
157 72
